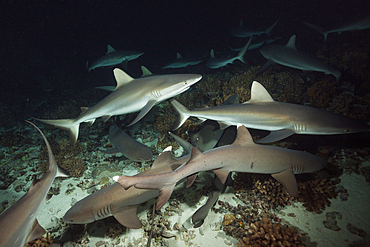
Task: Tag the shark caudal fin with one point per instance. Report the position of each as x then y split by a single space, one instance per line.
244 50
184 113
60 172
317 28
268 31
65 124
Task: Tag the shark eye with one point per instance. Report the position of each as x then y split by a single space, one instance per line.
346 130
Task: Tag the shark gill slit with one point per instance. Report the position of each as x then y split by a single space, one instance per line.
298 169
300 127
156 94
103 212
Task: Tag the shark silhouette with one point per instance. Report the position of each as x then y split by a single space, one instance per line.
243 155
18 224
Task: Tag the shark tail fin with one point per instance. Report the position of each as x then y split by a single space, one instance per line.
243 51
184 113
65 124
317 28
268 31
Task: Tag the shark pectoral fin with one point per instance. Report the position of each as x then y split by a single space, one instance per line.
287 179
265 67
106 118
190 180
221 174
36 231
276 136
112 151
128 218
143 111
166 193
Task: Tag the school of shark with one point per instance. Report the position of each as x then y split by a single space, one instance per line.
209 140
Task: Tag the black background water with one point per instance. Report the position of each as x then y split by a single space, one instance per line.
54 39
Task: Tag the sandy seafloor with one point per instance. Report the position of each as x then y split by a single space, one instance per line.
355 210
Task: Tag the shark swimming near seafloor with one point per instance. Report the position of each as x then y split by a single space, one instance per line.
288 55
358 25
215 63
181 62
242 32
282 119
118 202
129 147
18 224
114 57
243 155
131 95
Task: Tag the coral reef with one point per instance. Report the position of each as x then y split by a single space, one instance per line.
315 194
331 222
41 242
275 193
320 93
266 233
65 156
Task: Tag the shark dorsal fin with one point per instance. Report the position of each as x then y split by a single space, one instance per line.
110 49
36 231
212 53
241 23
145 71
178 55
291 42
121 77
259 93
84 109
243 137
163 159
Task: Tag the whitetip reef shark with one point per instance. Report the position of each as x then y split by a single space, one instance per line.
114 57
358 25
181 62
215 63
289 56
18 223
282 119
118 202
243 155
131 95
243 32
129 147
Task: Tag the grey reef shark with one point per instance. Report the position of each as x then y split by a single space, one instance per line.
256 45
215 63
282 119
129 147
289 56
114 57
242 32
131 95
358 25
121 203
18 223
243 155
181 62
